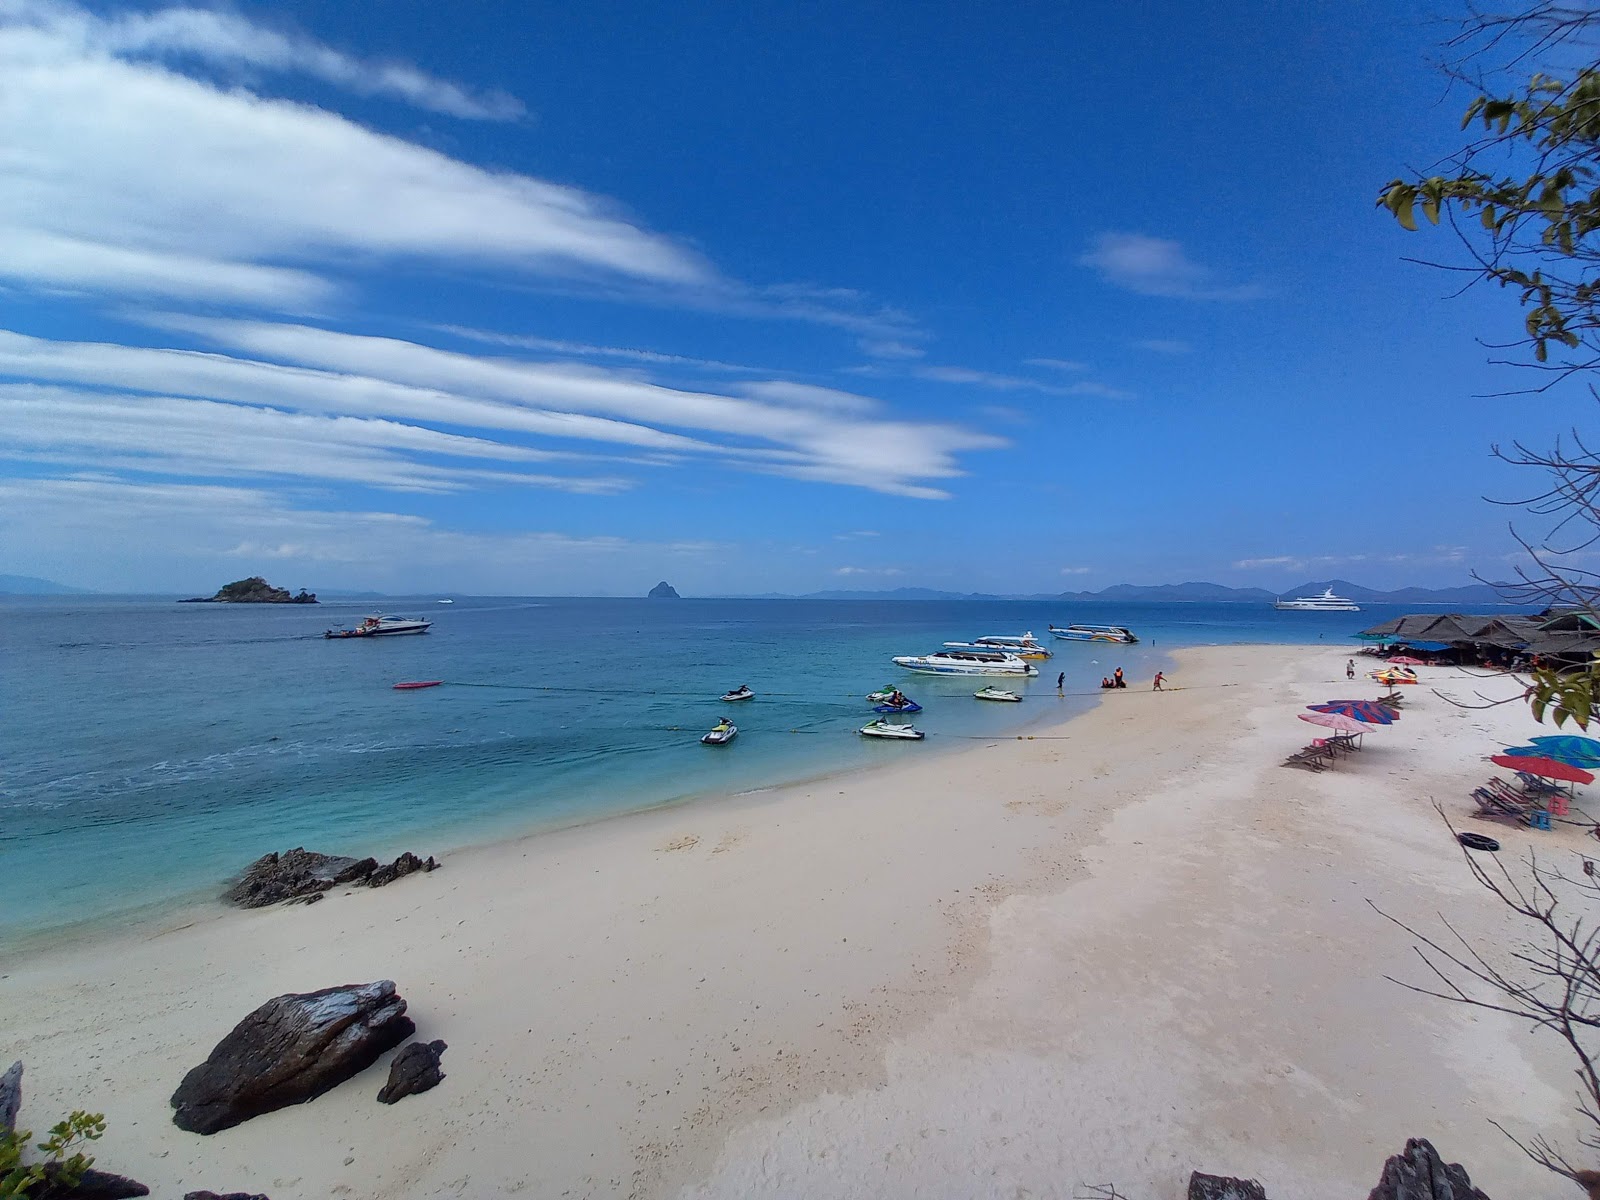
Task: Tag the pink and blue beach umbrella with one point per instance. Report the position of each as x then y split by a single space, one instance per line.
1369 712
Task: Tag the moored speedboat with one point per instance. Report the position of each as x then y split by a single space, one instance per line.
1023 645
967 662
994 693
742 692
723 732
417 684
884 729
381 627
1094 633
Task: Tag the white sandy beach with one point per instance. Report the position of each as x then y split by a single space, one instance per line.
1129 948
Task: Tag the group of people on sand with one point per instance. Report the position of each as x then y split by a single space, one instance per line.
1116 680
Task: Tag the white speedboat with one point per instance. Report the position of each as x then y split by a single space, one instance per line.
1093 633
1023 645
721 734
742 692
994 693
381 627
883 729
444 601
1327 602
967 662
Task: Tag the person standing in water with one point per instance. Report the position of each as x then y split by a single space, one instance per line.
1061 680
1117 680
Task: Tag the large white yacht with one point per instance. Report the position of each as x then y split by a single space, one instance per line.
1327 602
381 627
967 662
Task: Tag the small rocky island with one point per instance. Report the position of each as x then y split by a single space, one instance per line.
254 590
664 591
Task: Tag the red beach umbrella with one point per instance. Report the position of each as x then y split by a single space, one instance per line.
1547 768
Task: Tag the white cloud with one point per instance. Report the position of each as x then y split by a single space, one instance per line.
781 427
856 533
127 177
1279 560
1058 364
1077 570
1154 266
1163 346
868 571
204 438
889 348
991 380
653 358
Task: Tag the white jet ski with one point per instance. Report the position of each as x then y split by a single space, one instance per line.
883 729
742 692
994 693
721 734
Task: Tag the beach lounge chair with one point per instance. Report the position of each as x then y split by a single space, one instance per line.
1314 757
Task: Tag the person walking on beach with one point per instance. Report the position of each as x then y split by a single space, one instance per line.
1349 668
1061 680
1159 677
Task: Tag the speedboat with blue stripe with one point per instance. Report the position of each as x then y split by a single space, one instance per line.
967 662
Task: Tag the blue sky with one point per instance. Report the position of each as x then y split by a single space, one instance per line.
545 298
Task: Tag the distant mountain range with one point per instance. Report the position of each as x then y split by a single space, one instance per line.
30 585
1469 596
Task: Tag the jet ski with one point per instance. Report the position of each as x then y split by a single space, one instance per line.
883 694
721 734
907 706
883 729
994 693
742 692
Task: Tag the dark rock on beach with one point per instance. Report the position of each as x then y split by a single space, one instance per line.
664 591
290 1050
93 1184
302 875
224 1196
1223 1187
10 1095
415 1069
1418 1173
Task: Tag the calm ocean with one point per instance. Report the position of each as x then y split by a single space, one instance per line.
148 749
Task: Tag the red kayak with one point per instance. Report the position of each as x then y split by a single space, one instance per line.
408 687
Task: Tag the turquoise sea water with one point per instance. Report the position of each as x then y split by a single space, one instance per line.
148 749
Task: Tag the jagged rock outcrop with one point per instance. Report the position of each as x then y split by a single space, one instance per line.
664 591
415 1069
254 590
303 875
1418 1173
10 1095
290 1050
93 1184
1223 1187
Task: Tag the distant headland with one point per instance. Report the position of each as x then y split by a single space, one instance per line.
664 591
254 590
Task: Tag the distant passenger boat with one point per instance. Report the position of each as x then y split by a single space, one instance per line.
1327 602
1094 633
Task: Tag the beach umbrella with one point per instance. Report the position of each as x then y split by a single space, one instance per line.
1546 768
1337 721
1558 753
1369 711
1405 660
1569 748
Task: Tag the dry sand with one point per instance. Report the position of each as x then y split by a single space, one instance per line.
1123 951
